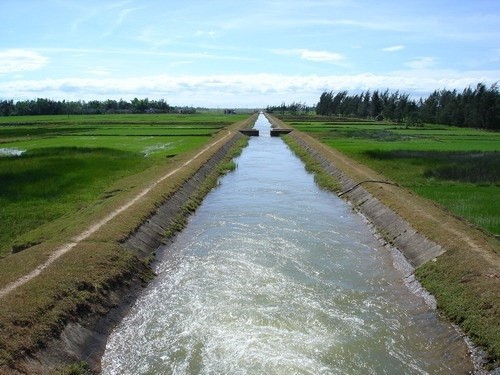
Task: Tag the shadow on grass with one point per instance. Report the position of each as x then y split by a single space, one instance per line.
14 132
51 173
472 167
42 185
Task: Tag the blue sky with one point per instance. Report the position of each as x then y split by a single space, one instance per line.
222 53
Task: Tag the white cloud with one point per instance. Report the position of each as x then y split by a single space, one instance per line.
256 90
318 56
393 48
18 60
322 56
380 24
422 63
209 34
153 38
98 71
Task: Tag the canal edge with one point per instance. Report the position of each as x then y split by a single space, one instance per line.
82 342
406 244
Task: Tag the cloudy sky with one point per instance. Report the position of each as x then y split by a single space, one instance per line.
243 53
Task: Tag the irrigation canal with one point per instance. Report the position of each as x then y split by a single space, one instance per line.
275 276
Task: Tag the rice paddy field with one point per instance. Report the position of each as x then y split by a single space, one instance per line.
459 168
55 166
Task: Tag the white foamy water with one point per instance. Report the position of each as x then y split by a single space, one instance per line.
11 152
159 147
274 276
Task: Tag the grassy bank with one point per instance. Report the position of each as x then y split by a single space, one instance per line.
84 280
55 165
466 279
321 177
456 167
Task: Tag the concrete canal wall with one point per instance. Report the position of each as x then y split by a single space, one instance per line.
150 235
85 338
416 248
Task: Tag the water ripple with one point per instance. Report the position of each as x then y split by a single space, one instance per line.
274 276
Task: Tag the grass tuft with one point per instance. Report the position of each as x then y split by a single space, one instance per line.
322 178
466 296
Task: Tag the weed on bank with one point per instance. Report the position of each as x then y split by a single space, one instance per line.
52 166
456 167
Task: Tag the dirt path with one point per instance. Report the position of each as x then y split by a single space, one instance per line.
422 213
98 225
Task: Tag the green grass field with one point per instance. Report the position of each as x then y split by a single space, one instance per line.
71 174
52 166
457 167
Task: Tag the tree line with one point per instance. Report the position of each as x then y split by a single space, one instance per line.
293 108
43 106
477 108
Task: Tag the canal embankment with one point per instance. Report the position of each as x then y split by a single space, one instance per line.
77 338
411 223
275 275
456 262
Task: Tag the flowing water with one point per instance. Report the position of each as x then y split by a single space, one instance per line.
275 276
